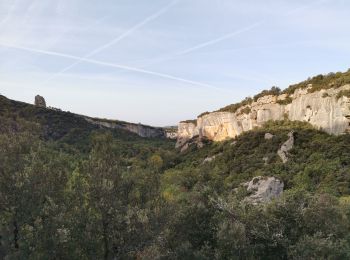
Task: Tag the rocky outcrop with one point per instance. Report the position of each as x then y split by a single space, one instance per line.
139 129
170 132
39 101
268 136
263 189
323 109
170 135
211 158
186 131
286 147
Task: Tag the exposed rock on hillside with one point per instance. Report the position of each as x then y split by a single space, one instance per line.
186 131
264 189
211 158
139 129
288 145
268 136
323 109
170 134
39 101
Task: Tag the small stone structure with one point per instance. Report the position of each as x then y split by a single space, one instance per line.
39 101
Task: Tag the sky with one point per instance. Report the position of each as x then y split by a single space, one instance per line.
162 61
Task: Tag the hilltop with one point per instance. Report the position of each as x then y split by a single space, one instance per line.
323 101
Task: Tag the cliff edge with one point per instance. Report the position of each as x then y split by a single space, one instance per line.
326 109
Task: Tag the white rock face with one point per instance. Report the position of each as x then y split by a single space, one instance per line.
139 129
322 109
286 147
218 126
171 135
264 189
186 131
327 113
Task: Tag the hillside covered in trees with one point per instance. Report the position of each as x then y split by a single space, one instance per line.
71 190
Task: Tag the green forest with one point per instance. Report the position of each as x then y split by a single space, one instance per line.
72 190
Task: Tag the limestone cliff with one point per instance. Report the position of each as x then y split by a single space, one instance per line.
139 129
324 109
186 131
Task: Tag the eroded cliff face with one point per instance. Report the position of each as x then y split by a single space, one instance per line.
186 131
323 109
139 129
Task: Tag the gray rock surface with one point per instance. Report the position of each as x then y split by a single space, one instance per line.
286 147
268 136
264 189
211 158
39 101
139 129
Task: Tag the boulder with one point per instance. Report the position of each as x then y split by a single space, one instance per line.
264 189
286 146
39 101
211 158
268 136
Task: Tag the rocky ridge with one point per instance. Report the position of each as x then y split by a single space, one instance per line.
323 109
139 129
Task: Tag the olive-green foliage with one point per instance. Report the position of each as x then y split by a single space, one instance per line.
203 114
233 108
318 160
343 93
298 226
331 80
193 121
275 91
248 100
246 110
113 195
285 101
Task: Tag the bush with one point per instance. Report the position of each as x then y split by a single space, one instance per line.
343 93
275 91
285 101
331 80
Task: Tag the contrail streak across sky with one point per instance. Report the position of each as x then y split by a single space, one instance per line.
113 65
116 40
230 35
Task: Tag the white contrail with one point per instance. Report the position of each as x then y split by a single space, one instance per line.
154 61
113 65
116 40
222 38
244 29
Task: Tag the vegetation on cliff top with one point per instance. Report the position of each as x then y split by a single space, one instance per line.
331 80
192 121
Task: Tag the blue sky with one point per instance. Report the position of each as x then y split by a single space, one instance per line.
162 61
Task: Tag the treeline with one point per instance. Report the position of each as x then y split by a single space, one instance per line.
135 199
